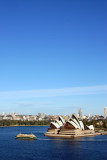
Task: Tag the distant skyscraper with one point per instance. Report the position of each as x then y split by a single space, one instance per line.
3 113
105 112
80 113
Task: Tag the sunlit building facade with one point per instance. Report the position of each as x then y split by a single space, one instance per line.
105 112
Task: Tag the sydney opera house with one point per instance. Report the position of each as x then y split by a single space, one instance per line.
71 128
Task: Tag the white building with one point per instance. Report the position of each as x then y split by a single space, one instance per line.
72 123
105 112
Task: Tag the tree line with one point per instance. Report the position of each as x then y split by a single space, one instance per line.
96 123
20 123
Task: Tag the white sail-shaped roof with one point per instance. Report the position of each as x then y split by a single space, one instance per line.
82 125
75 119
55 124
61 119
73 124
91 127
72 121
79 124
59 122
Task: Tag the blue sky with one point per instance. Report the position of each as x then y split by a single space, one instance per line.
53 56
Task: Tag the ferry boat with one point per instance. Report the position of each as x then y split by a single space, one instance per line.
26 136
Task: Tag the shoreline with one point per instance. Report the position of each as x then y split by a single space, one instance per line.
23 125
72 136
75 136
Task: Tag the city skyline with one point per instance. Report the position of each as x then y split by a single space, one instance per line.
53 56
45 116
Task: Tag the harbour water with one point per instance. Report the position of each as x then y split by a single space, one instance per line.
46 148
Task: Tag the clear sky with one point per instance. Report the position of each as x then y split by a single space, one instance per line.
53 56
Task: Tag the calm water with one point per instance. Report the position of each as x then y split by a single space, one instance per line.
88 148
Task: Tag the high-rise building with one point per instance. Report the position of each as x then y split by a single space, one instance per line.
105 112
80 113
